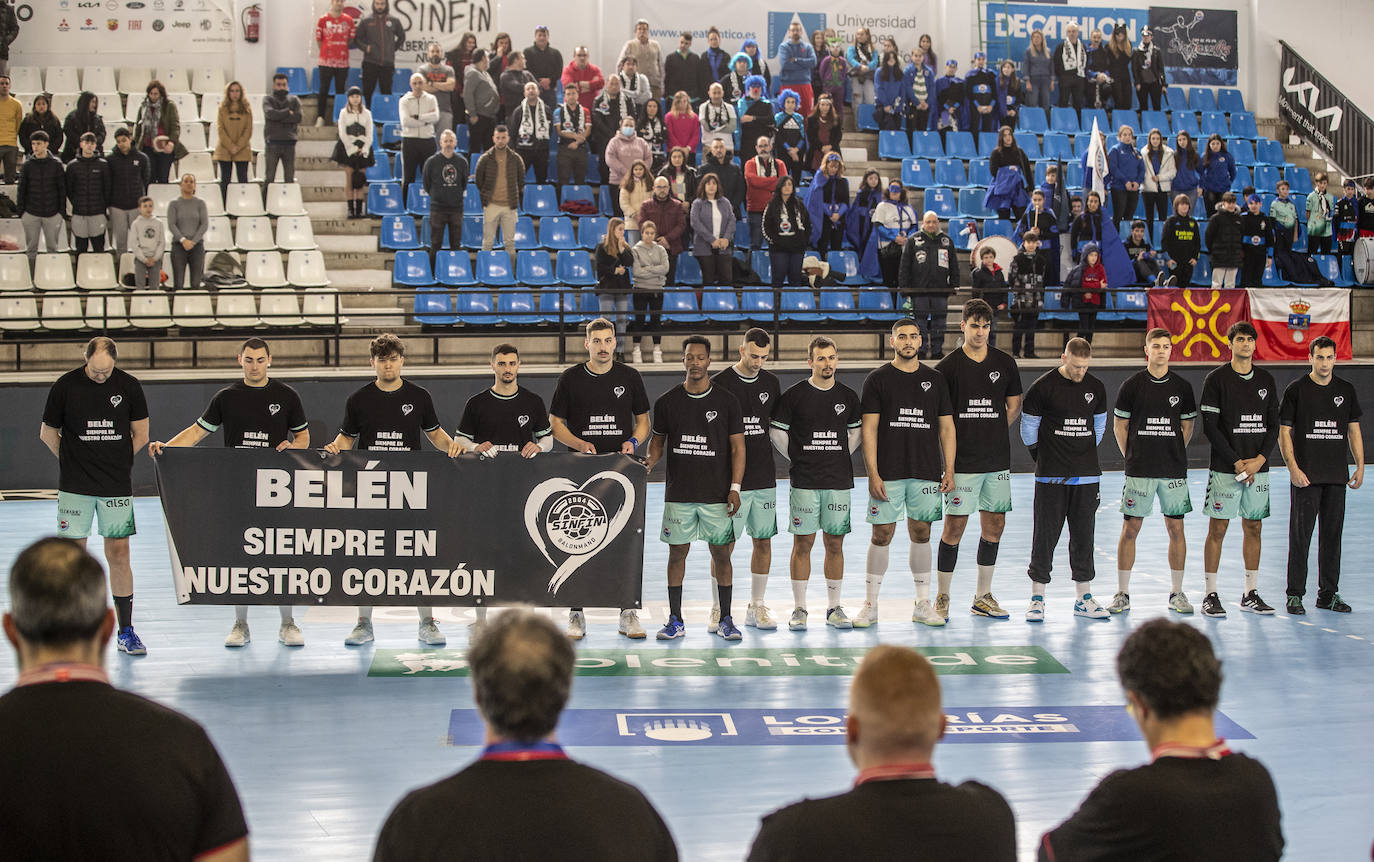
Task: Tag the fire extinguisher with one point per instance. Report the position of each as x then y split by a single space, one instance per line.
252 22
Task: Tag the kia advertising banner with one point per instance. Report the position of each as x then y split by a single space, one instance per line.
1199 45
1321 115
302 527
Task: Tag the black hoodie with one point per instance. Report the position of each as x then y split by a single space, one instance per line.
88 185
129 175
80 121
1225 239
731 178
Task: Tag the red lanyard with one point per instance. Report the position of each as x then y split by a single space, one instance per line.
1215 751
895 772
63 672
508 751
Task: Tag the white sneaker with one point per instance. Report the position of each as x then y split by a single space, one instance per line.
713 621
577 625
238 635
429 633
942 605
924 612
638 356
290 634
1088 607
836 618
798 621
630 626
1121 602
868 616
658 354
758 616
1179 604
319 122
1036 612
361 634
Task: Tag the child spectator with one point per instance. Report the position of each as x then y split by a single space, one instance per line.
1160 170
1085 287
650 272
989 284
1028 270
1143 257
1188 180
1181 241
1039 219
147 241
1225 241
919 81
1321 213
1285 215
1347 214
1257 230
1088 226
1218 171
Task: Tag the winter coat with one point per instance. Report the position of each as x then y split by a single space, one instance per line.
755 120
379 37
826 196
486 173
1124 165
794 240
1161 180
1079 295
42 188
129 175
235 132
47 122
731 178
9 29
88 185
1187 180
78 122
1087 226
669 220
1028 273
761 181
1156 71
928 264
685 72
689 182
909 81
1225 239
650 265
169 123
631 200
890 93
480 96
607 281
702 234
989 285
607 112
622 152
1217 175
1078 50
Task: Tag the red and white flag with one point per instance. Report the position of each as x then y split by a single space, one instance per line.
1288 318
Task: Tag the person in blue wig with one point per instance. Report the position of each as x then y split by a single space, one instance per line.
755 114
827 203
790 142
757 64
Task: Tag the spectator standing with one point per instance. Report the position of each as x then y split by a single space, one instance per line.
440 82
501 50
584 77
791 133
796 61
1070 69
648 57
85 117
532 125
1181 242
282 113
333 34
500 178
146 240
1038 67
889 93
9 31
188 219
762 173
1257 232
950 102
128 184
863 57
786 224
635 189
88 190
512 84
233 149
614 261
718 119
1321 213
609 112
1125 173
379 36
1010 93
1087 227
1147 70
684 71
1008 154
919 80
1028 271
988 282
927 275
11 118
445 178
1217 173
1097 91
354 152
1160 170
482 100
419 113
40 116
858 222
574 129
1285 215
1085 287
827 203
682 182
650 128
926 49
683 125
1120 58
1346 221
651 265
545 63
460 58
717 61
980 88
41 198
824 131
1187 163
1225 240
669 216
757 65
634 83
833 73
713 231
718 162
894 221
623 150
1041 218
159 131
733 80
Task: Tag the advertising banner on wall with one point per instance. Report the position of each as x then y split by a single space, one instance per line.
1323 116
1008 28
403 528
425 21
1199 45
150 27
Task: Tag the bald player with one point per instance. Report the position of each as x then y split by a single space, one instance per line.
897 807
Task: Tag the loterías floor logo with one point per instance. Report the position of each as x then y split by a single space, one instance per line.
575 522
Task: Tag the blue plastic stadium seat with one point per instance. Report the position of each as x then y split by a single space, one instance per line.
434 306
472 199
844 266
533 268
1214 123
1242 179
391 135
963 240
411 268
1032 119
1243 125
417 201
1201 99
799 304
1176 98
875 303
604 202
838 304
1266 178
680 306
472 232
445 241
688 269
942 201
474 307
540 200
384 199
380 171
978 173
297 82
1064 120
971 204
742 233
1300 182
517 307
893 144
762 265
340 100
526 237
494 269
1057 146
1000 227
556 305
385 108
757 305
1029 144
1054 307
1230 100
1186 121
398 232
1155 120
556 232
721 304
987 142
1041 169
916 172
1131 305
864 118
950 172
575 267
1073 175
960 145
1242 151
1202 273
590 231
1269 152
572 192
927 145
1123 118
454 268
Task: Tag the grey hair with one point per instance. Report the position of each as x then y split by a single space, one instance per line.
57 593
522 668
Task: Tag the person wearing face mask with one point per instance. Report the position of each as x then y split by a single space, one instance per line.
282 111
625 149
609 112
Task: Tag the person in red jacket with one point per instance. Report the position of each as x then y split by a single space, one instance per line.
333 32
584 77
669 217
762 174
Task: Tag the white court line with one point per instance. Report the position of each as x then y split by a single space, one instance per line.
1355 637
1333 631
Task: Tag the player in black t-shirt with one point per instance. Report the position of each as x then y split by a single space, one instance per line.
1320 420
817 427
390 414
758 393
95 422
1154 419
985 391
600 407
92 772
908 442
897 808
1195 799
1062 423
1240 416
698 432
255 413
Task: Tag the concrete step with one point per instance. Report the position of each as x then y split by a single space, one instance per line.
376 261
311 193
342 226
347 243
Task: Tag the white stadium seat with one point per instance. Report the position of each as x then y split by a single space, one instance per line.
109 106
149 309
207 79
245 199
133 81
280 308
99 79
53 272
193 137
197 163
11 230
258 141
106 311
60 79
193 308
264 269
284 199
220 235
18 311
306 269
96 271
26 81
236 309
163 194
14 272
254 233
209 107
63 311
209 192
63 103
321 307
176 79
188 109
295 233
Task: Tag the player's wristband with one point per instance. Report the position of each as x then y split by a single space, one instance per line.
734 487
634 441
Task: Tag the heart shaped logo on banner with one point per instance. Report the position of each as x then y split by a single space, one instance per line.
116 400
571 521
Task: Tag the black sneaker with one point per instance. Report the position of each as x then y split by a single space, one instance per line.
1334 604
1211 606
1252 603
1294 606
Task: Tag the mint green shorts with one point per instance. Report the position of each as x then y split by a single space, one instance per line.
114 516
1138 497
1227 498
758 514
823 510
692 522
920 499
979 492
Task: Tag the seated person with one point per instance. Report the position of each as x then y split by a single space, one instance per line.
1143 257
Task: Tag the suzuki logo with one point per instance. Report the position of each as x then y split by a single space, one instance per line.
1307 95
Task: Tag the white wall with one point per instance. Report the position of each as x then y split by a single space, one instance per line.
1333 36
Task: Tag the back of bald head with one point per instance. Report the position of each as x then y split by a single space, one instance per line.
896 699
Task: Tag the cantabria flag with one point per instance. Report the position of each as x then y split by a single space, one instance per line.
1288 318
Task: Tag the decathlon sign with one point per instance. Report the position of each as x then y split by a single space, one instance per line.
1008 27
248 526
1323 116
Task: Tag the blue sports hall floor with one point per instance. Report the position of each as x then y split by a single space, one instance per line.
321 741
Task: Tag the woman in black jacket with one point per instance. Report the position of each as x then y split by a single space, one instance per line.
1182 242
83 118
681 176
1008 154
787 227
1088 226
613 263
42 118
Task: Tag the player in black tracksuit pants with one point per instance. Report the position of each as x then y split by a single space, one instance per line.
1257 230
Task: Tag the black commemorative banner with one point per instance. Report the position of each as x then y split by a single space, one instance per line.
302 527
1198 45
1321 115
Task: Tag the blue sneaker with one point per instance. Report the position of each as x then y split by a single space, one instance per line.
727 630
128 642
673 630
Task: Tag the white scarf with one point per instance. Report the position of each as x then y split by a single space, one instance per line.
1075 57
603 104
864 53
629 82
573 118
534 125
716 117
766 168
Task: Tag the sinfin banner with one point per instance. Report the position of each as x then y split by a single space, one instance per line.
1199 45
403 528
1009 26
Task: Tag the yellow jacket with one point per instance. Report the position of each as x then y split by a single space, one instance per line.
11 115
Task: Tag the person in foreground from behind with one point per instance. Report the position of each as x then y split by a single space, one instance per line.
897 807
1195 799
186 806
523 795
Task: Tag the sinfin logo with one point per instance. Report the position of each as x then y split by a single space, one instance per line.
573 522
